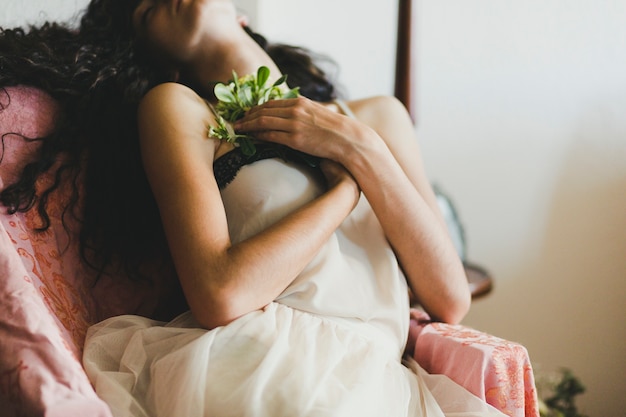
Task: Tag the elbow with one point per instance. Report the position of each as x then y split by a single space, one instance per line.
219 308
212 314
220 296
211 318
458 300
210 324
453 308
459 308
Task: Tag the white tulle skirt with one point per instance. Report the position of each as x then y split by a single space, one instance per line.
271 363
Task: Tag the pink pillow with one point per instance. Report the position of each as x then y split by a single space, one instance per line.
42 321
497 370
47 298
45 306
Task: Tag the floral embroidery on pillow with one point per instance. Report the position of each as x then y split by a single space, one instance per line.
509 383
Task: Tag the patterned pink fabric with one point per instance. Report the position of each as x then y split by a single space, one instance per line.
47 298
45 305
494 369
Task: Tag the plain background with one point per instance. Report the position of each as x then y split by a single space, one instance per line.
522 120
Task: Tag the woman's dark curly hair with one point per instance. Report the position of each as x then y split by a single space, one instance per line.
98 76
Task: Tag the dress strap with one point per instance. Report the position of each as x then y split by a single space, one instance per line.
344 108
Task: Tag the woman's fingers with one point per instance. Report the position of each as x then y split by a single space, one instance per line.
274 116
287 102
263 122
298 123
285 109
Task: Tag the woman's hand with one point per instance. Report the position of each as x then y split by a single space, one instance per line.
304 125
223 280
380 151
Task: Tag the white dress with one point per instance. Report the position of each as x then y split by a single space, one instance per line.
330 345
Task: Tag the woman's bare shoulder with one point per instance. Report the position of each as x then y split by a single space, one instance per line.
173 110
172 95
381 113
376 104
173 118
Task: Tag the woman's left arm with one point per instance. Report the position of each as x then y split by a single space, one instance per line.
383 155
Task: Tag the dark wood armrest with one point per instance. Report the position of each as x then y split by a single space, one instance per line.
479 280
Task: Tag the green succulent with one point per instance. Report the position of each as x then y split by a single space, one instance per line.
238 96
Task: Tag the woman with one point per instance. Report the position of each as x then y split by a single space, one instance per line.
203 42
295 284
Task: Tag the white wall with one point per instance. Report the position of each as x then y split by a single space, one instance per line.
20 12
348 31
522 117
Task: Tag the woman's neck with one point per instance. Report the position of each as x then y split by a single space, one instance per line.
240 54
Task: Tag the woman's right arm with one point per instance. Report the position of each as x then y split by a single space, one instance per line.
222 281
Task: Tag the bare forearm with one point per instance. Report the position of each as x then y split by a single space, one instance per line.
414 230
249 275
392 181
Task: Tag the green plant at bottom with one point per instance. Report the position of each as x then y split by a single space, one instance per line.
560 401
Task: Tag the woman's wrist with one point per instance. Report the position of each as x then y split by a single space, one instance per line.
347 192
362 154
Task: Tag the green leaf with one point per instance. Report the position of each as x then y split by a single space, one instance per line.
293 93
262 75
223 93
235 80
246 96
236 114
276 93
265 97
247 147
280 80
